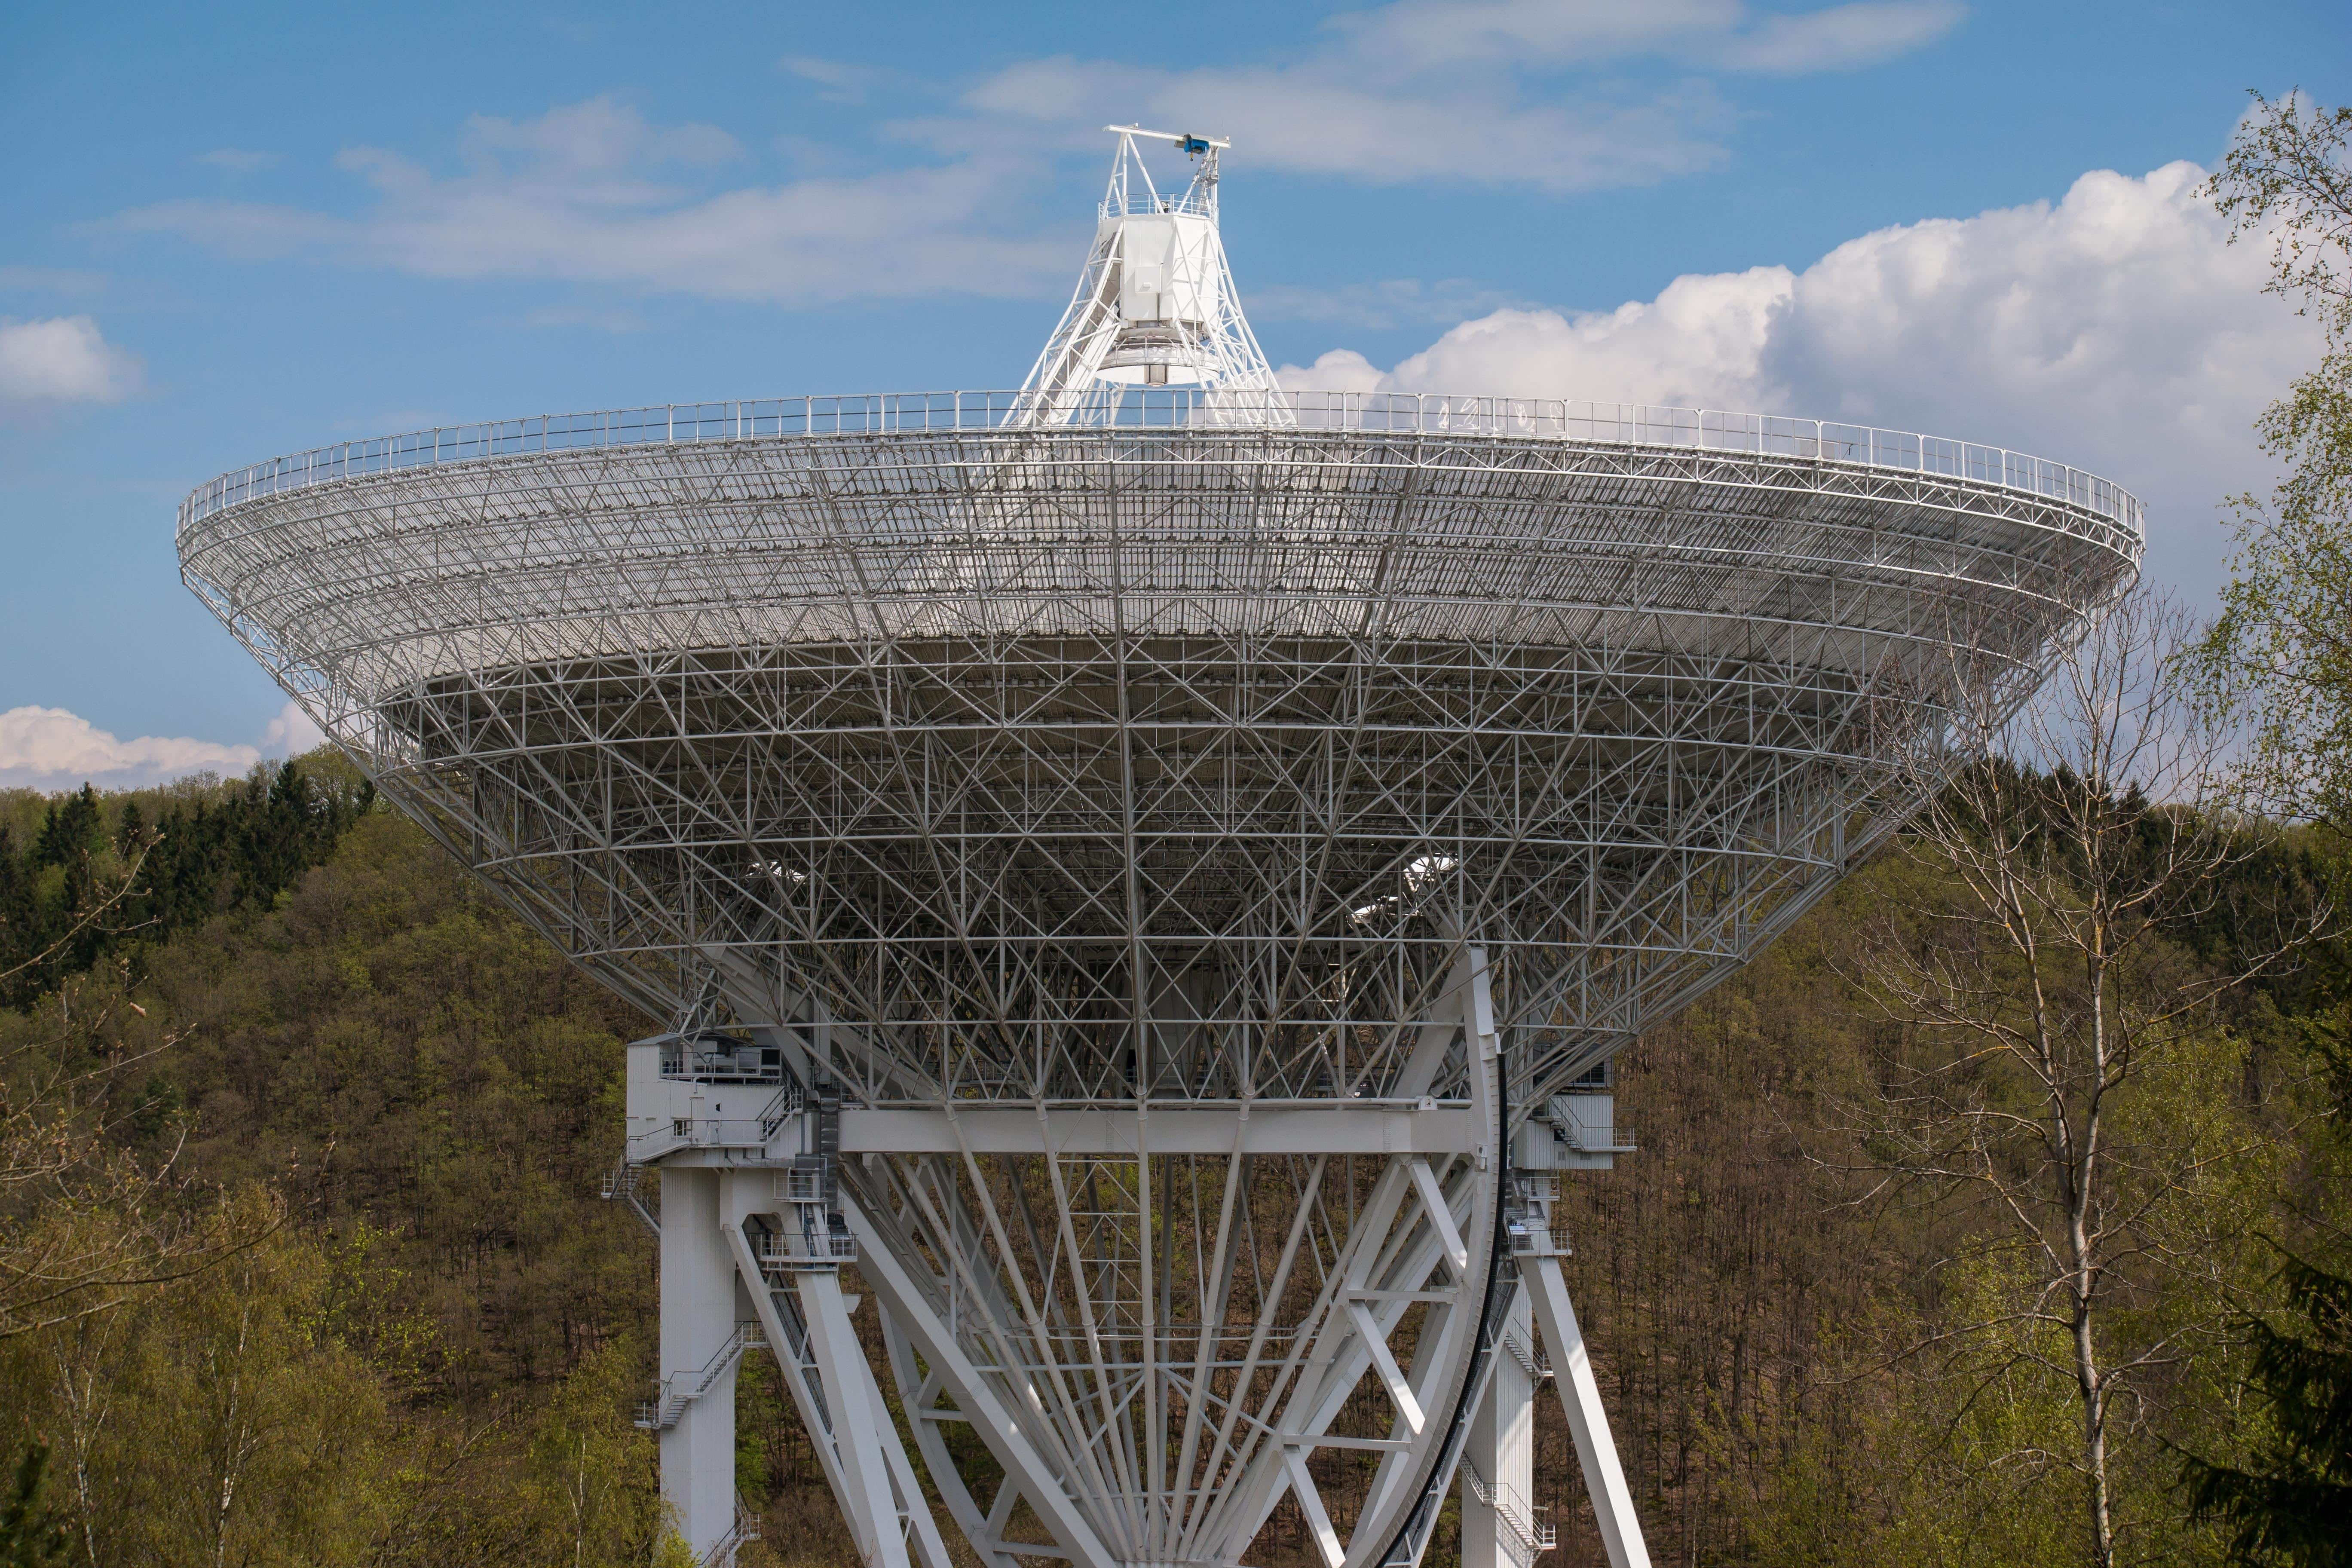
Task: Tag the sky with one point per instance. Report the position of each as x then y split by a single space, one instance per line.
233 231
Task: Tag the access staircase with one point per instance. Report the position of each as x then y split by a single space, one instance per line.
1537 1365
622 1186
1528 1537
745 1529
661 1412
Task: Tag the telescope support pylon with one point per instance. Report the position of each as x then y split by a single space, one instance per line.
1579 1396
1026 1265
693 1409
1499 1526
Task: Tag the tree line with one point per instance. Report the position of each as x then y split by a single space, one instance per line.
85 876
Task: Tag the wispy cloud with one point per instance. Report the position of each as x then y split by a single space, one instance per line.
238 161
1539 94
1840 38
1414 37
1506 92
1326 118
51 280
602 320
1379 306
841 81
591 192
600 136
578 29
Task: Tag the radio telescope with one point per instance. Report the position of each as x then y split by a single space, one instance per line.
1152 869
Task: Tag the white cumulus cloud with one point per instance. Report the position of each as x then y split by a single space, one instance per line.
2116 329
291 733
55 748
56 360
52 748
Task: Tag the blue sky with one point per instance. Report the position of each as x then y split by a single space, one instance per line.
233 231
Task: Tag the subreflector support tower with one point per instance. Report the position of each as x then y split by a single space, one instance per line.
1151 870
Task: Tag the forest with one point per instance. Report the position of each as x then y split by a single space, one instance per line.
2000 1213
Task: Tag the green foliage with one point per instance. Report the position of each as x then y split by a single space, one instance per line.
2284 641
592 1493
394 1049
97 877
30 1534
432 1356
2293 1502
1798 1376
430 1353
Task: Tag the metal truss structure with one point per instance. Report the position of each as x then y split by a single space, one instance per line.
1155 303
1148 887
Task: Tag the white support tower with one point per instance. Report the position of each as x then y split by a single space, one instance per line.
1502 1524
1155 304
1149 870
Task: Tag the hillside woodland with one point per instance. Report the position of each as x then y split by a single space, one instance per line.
2000 1212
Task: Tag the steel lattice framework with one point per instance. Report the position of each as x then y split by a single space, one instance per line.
1026 746
1138 859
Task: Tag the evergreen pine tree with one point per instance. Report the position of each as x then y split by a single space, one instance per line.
2294 1505
30 1534
16 905
70 830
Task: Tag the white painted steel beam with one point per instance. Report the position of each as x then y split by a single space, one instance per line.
927 1546
1376 1340
803 1380
919 1395
1441 1218
935 1342
1579 1396
865 1472
698 1314
1499 1526
1378 1283
1311 1503
1342 1128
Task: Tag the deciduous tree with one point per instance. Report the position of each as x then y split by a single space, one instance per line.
2055 1077
2284 646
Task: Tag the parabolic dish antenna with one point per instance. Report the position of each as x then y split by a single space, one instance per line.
1150 870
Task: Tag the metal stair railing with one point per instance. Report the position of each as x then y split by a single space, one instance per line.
821 1250
745 1529
1537 1365
621 1186
1532 1537
661 1412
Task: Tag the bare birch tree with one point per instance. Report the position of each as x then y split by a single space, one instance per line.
2054 1072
